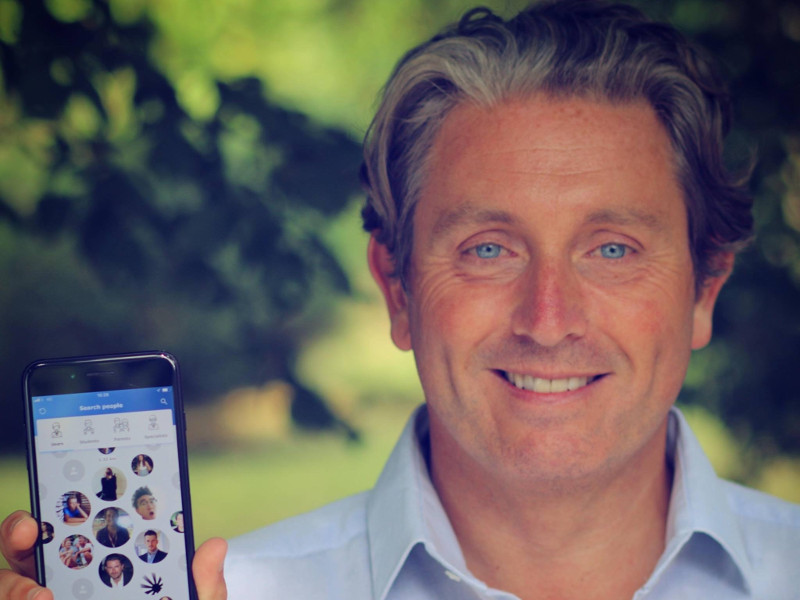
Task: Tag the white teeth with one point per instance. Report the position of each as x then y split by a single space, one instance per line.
577 382
546 386
541 385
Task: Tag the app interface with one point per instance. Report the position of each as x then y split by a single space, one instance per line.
110 495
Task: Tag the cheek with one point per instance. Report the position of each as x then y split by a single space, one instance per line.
653 330
663 330
657 309
447 312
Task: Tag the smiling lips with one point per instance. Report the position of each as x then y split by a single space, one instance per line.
547 386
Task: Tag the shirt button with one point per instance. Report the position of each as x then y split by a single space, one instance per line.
452 575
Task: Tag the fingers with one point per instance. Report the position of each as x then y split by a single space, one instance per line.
17 587
18 534
207 570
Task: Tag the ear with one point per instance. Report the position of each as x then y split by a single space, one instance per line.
706 300
382 267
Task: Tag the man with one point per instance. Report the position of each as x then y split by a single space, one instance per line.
112 535
145 503
153 554
551 224
113 571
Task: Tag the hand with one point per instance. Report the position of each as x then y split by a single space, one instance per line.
207 569
18 534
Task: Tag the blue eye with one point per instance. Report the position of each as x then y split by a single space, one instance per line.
488 250
613 250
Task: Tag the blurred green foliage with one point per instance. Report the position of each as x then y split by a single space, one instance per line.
128 224
747 375
155 191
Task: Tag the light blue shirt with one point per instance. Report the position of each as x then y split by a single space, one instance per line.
395 542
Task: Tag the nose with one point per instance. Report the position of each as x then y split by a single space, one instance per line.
549 305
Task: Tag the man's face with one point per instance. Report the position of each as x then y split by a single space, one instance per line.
550 303
72 503
151 541
114 568
146 507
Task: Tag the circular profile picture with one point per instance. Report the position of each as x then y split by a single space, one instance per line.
142 465
145 503
109 483
152 546
116 570
105 450
47 532
176 521
73 508
112 527
75 552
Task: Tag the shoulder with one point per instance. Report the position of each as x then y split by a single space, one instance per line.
323 552
759 507
324 528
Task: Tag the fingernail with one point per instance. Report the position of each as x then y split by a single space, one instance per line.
34 592
17 522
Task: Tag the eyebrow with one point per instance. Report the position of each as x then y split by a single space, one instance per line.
470 213
626 216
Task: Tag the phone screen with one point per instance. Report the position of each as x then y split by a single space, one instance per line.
109 478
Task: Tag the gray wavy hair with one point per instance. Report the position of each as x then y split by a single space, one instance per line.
578 48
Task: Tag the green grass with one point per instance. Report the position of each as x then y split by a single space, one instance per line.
234 492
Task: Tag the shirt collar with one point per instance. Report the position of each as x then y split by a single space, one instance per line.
404 510
699 503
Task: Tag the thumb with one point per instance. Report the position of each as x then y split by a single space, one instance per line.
207 570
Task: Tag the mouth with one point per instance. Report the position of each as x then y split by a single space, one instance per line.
548 386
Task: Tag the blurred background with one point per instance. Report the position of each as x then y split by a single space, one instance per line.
181 175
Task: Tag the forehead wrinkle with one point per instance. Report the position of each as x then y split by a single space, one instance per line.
544 170
472 214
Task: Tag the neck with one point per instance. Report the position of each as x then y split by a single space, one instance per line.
596 537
